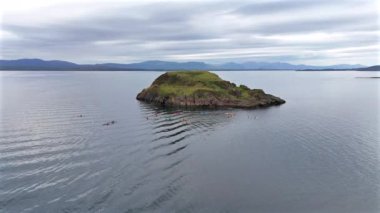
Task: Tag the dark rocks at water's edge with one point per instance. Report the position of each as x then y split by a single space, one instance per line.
213 102
203 89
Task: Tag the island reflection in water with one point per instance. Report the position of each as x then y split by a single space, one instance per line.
170 126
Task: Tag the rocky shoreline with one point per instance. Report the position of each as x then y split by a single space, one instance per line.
214 93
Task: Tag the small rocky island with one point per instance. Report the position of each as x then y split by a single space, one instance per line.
203 89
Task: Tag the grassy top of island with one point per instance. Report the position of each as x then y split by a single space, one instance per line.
198 83
203 88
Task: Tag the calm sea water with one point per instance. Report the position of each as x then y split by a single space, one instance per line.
319 152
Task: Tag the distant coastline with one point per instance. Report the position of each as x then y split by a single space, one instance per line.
58 65
371 68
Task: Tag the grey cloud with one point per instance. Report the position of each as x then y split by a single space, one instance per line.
173 30
273 7
321 24
165 23
276 6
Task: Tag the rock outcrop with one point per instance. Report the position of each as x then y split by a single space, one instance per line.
203 89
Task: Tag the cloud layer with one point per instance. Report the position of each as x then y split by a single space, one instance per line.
298 31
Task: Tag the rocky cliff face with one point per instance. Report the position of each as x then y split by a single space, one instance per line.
203 89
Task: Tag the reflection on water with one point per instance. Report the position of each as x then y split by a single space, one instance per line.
317 151
65 146
170 128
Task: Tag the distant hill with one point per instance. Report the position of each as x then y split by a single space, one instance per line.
280 66
53 65
372 68
39 64
163 65
28 64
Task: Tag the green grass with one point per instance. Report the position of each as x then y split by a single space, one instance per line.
198 83
196 75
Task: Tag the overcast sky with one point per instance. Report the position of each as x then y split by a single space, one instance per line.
318 32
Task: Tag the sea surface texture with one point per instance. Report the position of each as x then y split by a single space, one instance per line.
61 152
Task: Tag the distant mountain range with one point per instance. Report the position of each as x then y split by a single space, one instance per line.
38 64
